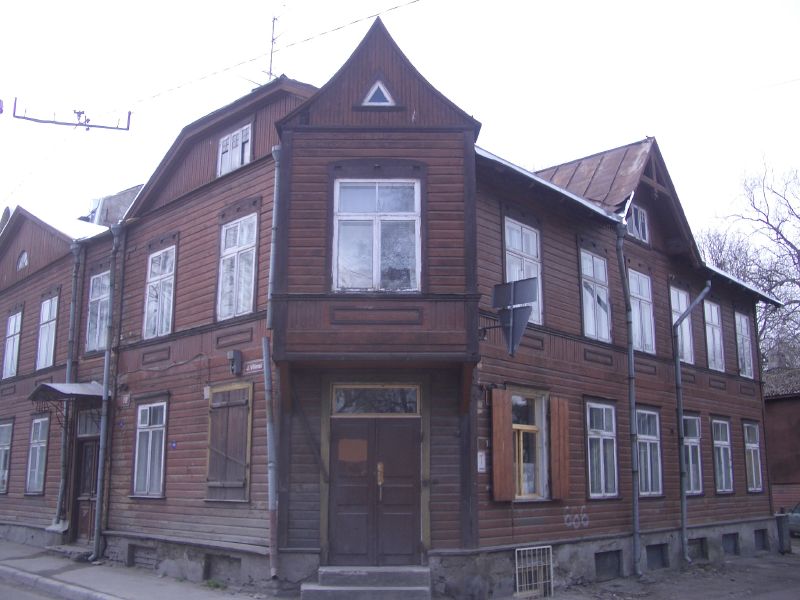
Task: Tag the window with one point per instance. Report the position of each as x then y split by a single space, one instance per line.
378 95
237 268
11 354
37 455
159 292
691 455
752 457
5 454
97 322
229 443
376 238
642 307
679 300
148 479
723 468
637 224
649 443
47 333
602 443
376 399
596 312
744 345
523 261
530 447
716 358
22 260
234 151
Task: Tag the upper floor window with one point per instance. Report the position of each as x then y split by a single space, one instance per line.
378 95
679 300
237 267
376 235
649 443
22 260
744 345
523 260
716 357
752 457
37 455
148 478
97 322
642 308
234 150
637 224
47 333
596 312
602 440
5 454
691 455
11 354
723 467
159 293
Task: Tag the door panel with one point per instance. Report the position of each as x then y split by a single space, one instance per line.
86 485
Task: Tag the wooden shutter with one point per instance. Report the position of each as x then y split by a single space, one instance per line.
559 447
502 446
228 444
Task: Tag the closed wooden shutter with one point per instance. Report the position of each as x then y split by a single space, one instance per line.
228 444
559 447
502 447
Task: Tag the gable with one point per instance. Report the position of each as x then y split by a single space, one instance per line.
378 87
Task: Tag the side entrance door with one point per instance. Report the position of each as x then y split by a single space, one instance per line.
374 508
87 445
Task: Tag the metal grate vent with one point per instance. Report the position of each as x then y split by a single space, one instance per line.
534 572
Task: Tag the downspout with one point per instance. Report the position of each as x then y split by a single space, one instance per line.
272 446
679 408
101 469
626 292
75 247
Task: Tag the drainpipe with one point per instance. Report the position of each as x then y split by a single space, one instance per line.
75 247
626 292
679 396
272 452
101 469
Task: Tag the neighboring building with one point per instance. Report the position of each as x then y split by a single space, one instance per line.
782 424
406 433
109 210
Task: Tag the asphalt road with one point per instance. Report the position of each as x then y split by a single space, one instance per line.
14 592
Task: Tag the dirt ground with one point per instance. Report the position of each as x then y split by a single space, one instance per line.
766 577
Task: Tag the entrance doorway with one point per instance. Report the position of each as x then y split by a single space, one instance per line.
374 507
87 431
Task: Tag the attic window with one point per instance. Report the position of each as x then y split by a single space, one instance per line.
22 261
637 224
234 150
378 95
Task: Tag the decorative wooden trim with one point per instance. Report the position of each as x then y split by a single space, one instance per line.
156 355
356 315
239 209
241 336
559 448
717 384
502 447
602 358
645 368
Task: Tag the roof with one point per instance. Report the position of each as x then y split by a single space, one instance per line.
64 391
780 382
762 295
67 229
607 178
108 210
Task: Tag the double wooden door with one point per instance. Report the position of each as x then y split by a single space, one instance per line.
374 508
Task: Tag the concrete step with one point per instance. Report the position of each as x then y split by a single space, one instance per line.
315 591
375 576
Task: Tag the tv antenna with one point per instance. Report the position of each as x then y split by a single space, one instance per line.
81 120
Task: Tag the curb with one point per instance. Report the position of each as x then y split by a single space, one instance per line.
61 589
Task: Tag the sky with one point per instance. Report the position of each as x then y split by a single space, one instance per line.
716 83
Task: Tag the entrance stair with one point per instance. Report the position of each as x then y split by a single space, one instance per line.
369 583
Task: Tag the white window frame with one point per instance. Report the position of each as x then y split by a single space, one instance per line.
11 354
97 319
37 455
637 224
236 254
679 302
377 218
642 307
594 290
538 432
147 433
45 352
234 150
368 101
604 435
752 449
158 321
714 341
649 446
723 464
529 261
692 456
744 345
22 260
6 433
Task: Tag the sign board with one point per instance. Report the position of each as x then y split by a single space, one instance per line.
513 299
253 366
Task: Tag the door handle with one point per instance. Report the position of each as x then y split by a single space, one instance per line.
380 482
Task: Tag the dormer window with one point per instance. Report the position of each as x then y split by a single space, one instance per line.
378 95
22 261
637 224
234 150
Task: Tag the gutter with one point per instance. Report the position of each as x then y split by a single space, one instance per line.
679 396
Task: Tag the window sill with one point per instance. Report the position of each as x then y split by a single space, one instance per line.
531 500
33 494
143 497
226 501
604 498
659 496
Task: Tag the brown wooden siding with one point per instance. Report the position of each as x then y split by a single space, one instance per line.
43 246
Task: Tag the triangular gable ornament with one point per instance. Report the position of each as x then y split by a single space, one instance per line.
378 95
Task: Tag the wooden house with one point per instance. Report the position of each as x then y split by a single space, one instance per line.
307 369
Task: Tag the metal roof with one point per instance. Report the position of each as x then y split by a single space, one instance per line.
64 391
763 295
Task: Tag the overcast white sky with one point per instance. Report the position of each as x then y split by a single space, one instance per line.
717 83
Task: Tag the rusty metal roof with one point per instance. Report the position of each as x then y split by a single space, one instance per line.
606 178
64 391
